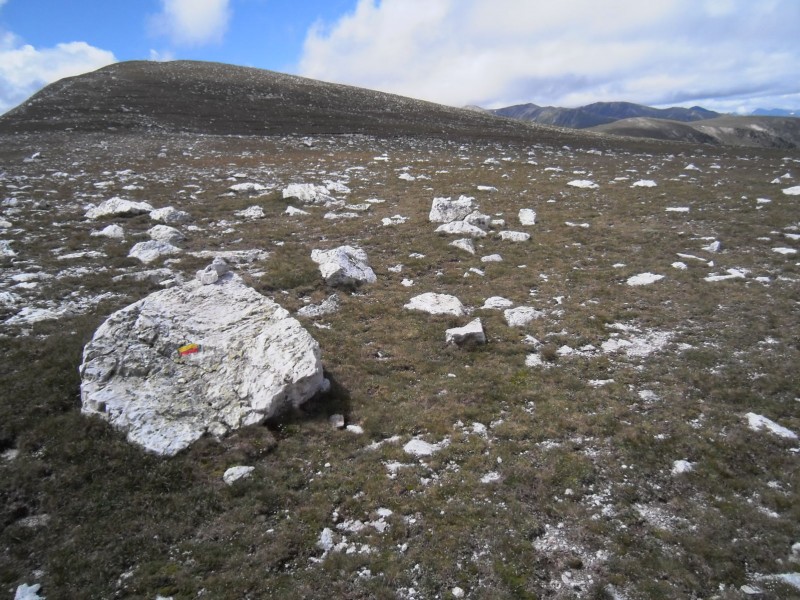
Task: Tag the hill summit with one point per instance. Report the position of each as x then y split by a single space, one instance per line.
214 98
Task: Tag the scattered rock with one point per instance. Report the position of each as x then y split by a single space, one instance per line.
714 246
583 184
337 421
527 216
213 272
308 193
111 231
465 244
521 316
461 228
644 183
418 447
169 215
644 279
234 474
28 592
759 422
247 186
682 466
514 236
166 234
394 220
437 304
5 249
152 250
344 266
445 210
118 207
792 191
246 360
471 333
497 302
491 258
252 212
294 212
326 307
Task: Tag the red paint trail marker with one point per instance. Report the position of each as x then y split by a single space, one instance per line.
188 349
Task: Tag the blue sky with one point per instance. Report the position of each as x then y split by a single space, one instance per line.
729 55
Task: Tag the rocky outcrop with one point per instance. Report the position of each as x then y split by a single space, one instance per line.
197 359
344 266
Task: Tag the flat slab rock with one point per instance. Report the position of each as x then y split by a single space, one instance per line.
251 361
436 304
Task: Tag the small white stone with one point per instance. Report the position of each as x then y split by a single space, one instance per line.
457 592
236 473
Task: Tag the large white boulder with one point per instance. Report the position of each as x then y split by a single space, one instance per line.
249 360
308 193
445 210
344 266
437 304
118 207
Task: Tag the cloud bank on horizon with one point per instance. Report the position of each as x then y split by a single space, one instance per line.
727 55
724 53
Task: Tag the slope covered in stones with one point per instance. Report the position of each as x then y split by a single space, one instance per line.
204 97
623 424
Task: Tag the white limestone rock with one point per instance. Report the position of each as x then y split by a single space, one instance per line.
514 236
28 592
118 207
170 215
152 250
213 272
497 303
445 210
326 307
760 422
461 228
464 244
472 332
308 193
234 474
251 212
294 212
114 232
252 361
344 266
437 304
521 316
247 186
491 258
527 216
165 233
478 219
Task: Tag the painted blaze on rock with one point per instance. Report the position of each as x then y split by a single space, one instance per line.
252 361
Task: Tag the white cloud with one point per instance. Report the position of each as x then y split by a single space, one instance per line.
24 69
567 53
193 22
164 56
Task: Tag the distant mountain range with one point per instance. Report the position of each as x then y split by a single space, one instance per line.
766 128
600 113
